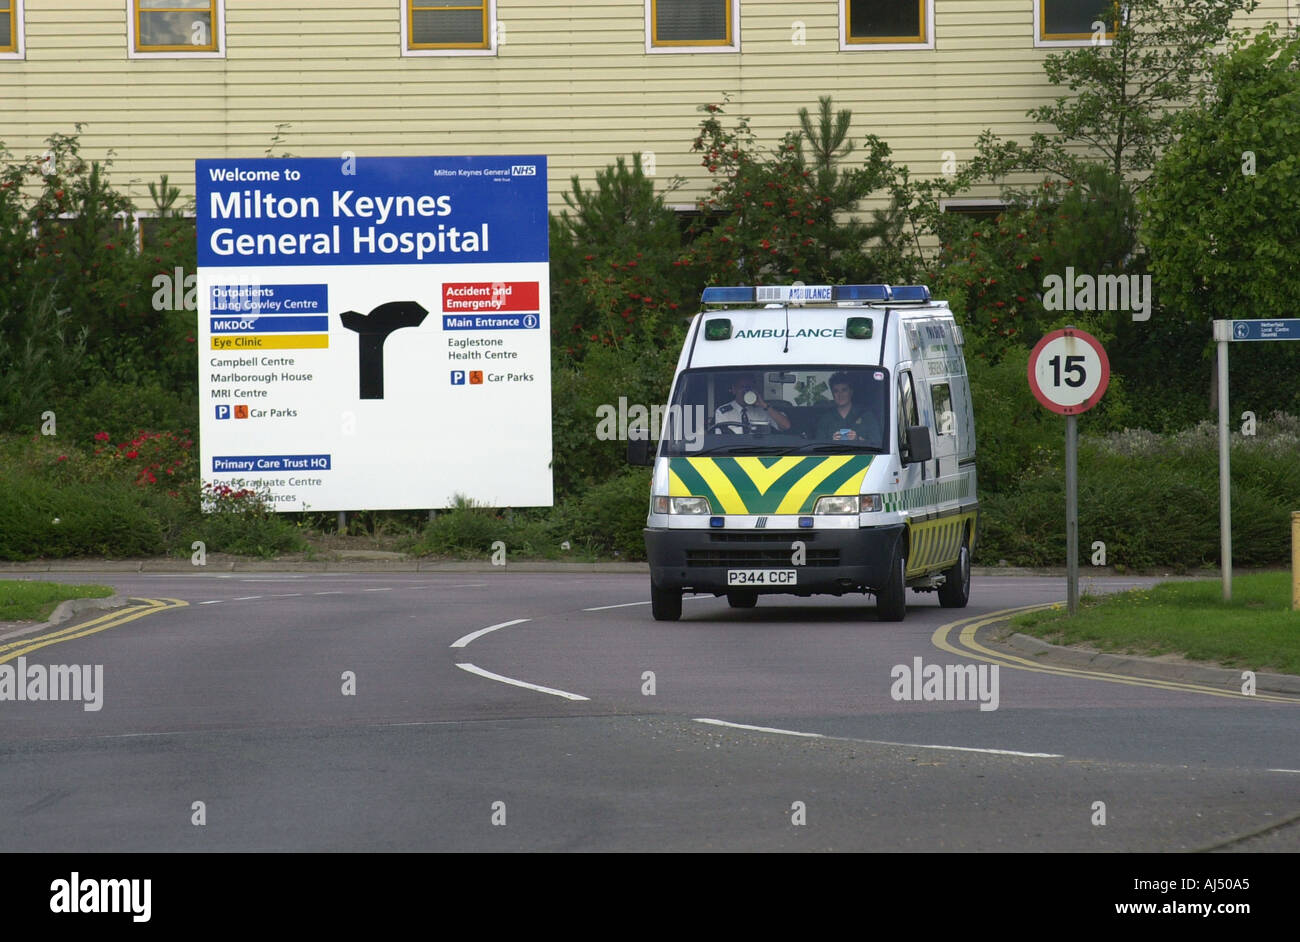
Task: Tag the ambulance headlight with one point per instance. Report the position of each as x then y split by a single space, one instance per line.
682 505
847 504
871 504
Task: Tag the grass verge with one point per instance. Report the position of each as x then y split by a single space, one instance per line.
32 600
1256 630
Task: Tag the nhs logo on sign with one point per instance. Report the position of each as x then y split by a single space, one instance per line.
523 170
457 378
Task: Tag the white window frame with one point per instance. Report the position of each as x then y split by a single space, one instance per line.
956 204
218 32
846 46
652 49
1041 43
20 49
492 30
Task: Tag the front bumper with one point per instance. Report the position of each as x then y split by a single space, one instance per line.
836 561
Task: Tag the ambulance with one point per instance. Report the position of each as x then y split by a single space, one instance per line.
818 440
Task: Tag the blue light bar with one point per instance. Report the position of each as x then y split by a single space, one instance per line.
863 293
731 295
911 293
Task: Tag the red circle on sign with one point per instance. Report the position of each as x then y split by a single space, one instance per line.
1045 396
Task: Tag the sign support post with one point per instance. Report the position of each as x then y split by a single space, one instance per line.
1072 513
1286 328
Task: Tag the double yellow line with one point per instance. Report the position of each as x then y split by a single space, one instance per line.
967 646
137 609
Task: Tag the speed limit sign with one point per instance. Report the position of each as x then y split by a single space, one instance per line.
1069 371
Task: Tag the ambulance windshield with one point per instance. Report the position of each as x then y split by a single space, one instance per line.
767 410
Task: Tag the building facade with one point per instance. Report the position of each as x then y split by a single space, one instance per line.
163 82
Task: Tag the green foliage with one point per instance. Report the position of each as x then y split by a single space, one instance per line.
610 517
241 522
35 599
41 519
615 276
1153 500
1223 215
1124 95
778 216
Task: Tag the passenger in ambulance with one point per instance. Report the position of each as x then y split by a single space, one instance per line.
747 409
843 421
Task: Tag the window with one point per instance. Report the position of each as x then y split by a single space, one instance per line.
11 29
945 419
176 28
692 25
907 414
887 24
981 210
1070 22
441 27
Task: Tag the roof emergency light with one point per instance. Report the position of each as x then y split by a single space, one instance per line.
802 294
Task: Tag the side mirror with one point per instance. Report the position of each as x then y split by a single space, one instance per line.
920 446
641 452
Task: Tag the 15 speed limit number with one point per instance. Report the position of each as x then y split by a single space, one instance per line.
1069 371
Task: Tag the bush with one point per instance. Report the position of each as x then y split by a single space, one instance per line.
40 519
609 517
1154 501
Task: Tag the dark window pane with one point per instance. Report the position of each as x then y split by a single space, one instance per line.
6 36
1075 16
447 26
175 29
700 21
872 19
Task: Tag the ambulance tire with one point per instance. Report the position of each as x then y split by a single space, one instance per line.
891 598
665 604
955 591
743 598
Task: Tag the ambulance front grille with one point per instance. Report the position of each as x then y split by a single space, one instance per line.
776 557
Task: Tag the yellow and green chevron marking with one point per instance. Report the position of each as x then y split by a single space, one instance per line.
789 484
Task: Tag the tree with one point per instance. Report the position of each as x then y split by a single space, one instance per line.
616 277
790 213
1222 215
1126 93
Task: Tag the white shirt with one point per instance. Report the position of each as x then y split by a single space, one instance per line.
731 412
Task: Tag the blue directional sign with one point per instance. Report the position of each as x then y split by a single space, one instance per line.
1285 329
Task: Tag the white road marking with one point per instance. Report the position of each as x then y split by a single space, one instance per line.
881 742
213 602
474 669
759 729
327 593
378 590
603 608
466 639
1293 771
246 598
288 595
460 585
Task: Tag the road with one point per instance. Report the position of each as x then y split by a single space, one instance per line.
229 722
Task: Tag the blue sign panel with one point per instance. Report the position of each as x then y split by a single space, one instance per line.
1284 329
371 211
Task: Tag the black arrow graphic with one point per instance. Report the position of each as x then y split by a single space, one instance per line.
374 329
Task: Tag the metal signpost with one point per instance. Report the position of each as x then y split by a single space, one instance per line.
1068 373
1226 332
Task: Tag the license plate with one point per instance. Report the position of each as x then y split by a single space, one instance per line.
762 577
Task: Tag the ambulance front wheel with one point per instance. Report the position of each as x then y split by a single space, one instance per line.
891 598
955 591
665 604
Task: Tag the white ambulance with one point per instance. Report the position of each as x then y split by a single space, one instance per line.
820 440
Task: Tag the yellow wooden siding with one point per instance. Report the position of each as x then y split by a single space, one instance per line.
569 80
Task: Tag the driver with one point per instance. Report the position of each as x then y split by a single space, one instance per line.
754 413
